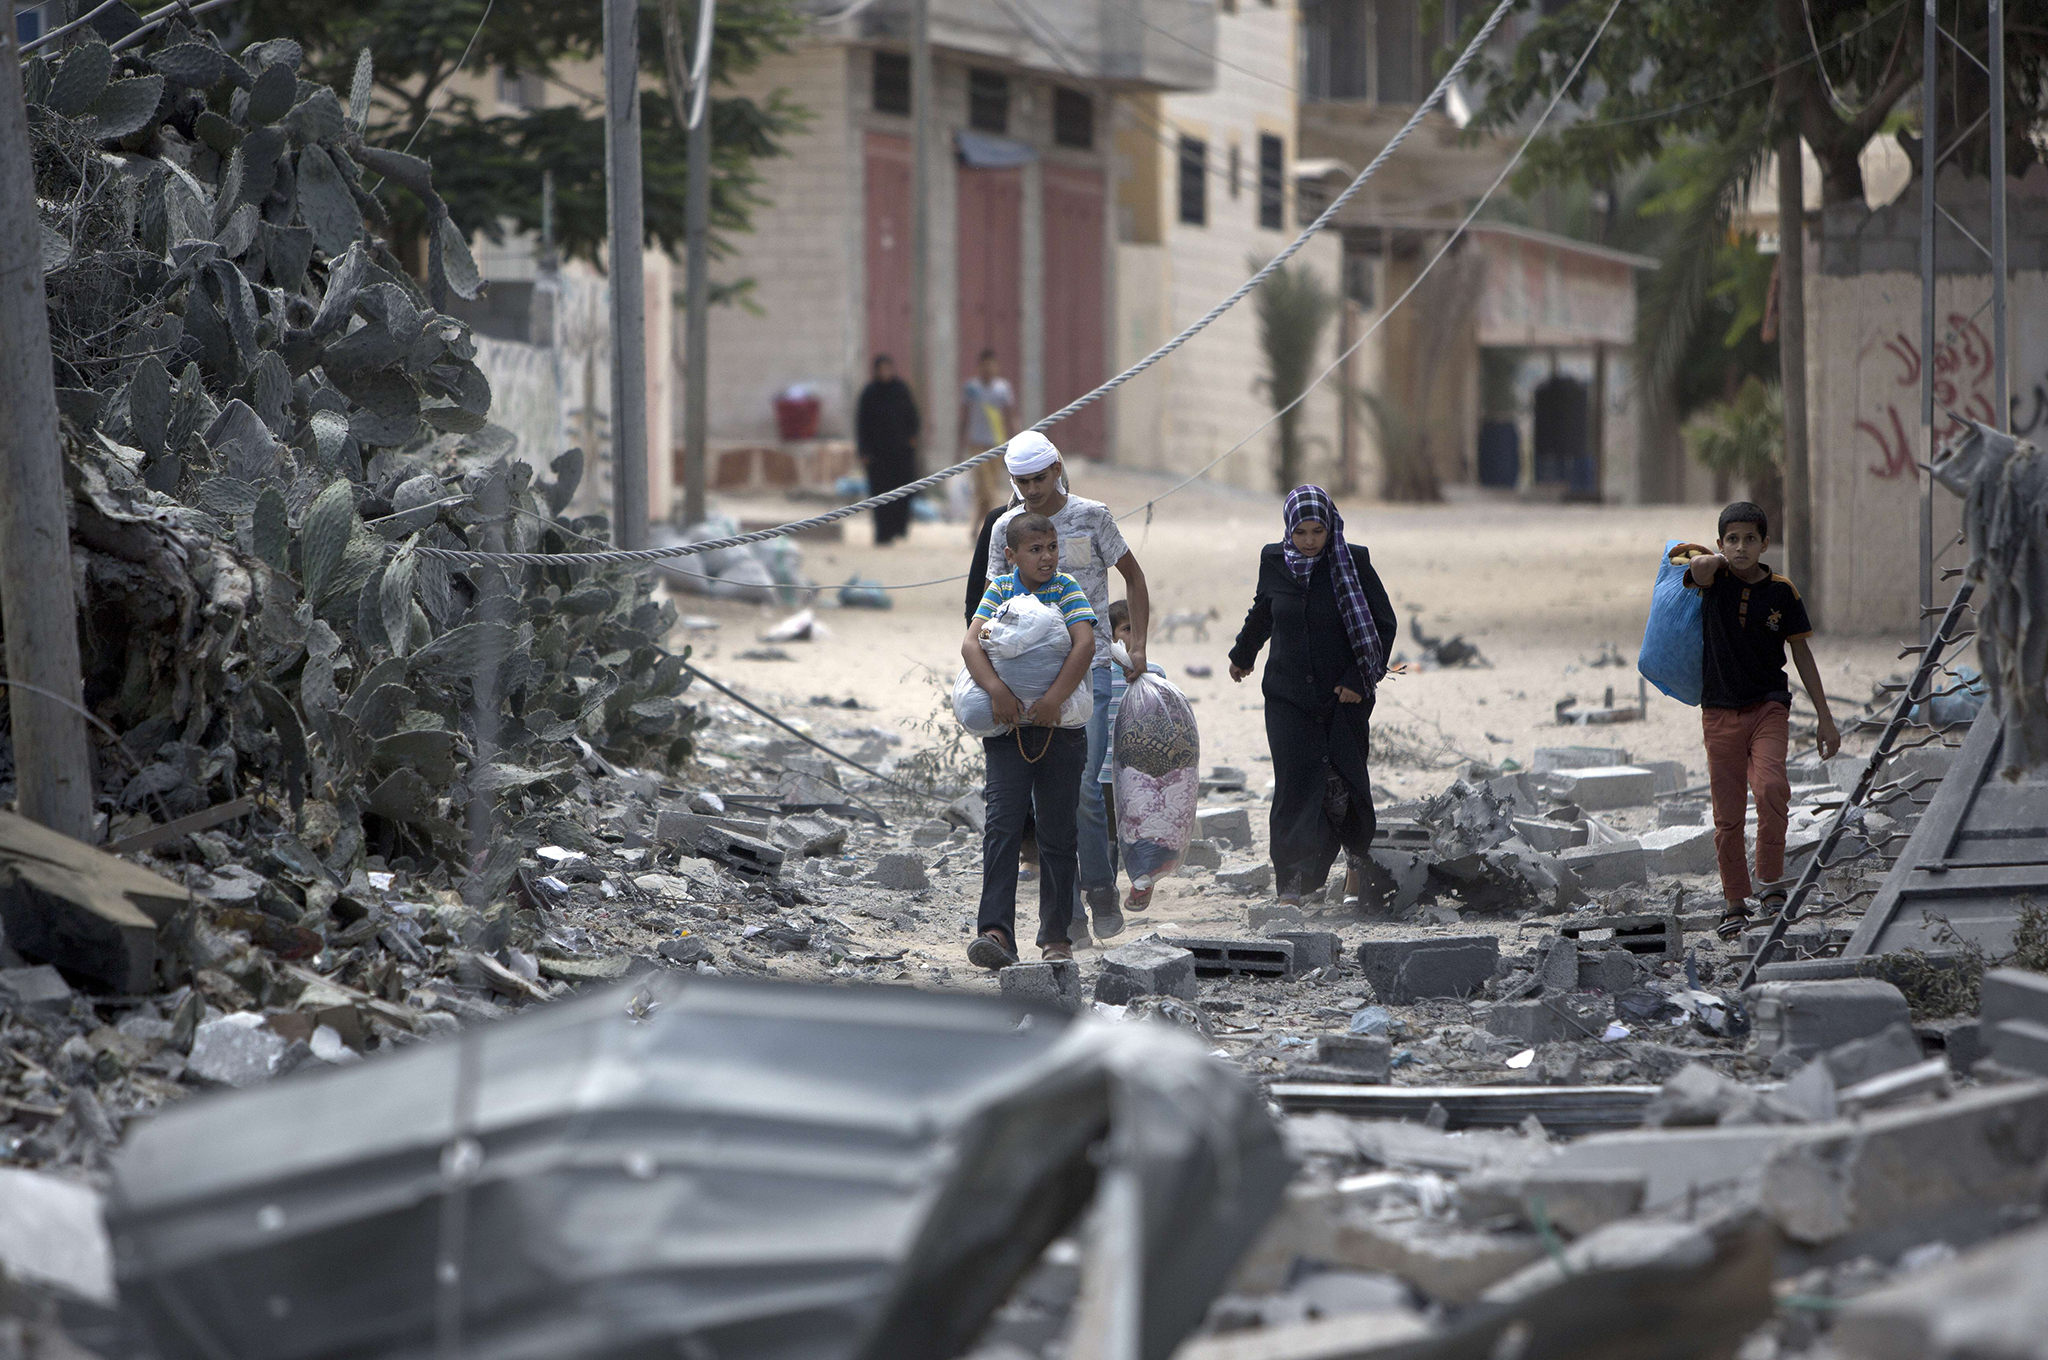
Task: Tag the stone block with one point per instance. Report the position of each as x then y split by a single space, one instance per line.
1147 967
1052 982
1802 1019
1577 1202
1267 916
1368 1054
236 1050
1232 826
1548 836
1679 849
1202 855
900 872
1249 958
1891 1048
1603 867
1313 949
1612 971
1550 759
41 988
1987 1302
2020 1046
2013 994
1670 774
1902 1177
1620 786
1250 879
1406 971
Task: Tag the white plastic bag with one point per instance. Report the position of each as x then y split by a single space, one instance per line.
1157 753
1027 642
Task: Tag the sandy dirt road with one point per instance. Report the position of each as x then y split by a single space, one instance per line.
1544 591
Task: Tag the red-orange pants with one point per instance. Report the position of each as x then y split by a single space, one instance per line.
1746 752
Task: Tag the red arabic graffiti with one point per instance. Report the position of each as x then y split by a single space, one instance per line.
1962 384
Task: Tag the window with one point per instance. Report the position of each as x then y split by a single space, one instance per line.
1361 49
28 25
1236 172
521 89
988 101
1272 181
892 83
1194 181
1073 118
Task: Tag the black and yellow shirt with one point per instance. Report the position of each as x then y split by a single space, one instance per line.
1744 628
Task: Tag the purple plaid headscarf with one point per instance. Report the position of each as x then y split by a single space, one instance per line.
1312 502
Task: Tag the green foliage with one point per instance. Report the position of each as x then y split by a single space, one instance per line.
488 164
1744 436
267 420
1294 307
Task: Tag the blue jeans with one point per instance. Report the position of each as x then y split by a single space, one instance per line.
1093 822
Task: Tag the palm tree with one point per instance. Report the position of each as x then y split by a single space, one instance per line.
1294 306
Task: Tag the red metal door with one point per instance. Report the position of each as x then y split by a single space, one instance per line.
1075 344
991 269
888 199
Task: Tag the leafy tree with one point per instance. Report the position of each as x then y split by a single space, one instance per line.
1742 436
488 166
1294 308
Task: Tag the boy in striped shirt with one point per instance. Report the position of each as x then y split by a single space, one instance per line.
1037 764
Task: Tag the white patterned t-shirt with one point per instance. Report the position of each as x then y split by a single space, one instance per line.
1090 544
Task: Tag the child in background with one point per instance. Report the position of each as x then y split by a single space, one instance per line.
1749 616
1037 764
1120 631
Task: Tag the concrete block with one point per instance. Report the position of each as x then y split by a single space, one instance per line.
1670 774
1148 967
1803 1019
1558 970
1405 971
1683 812
1368 1054
901 872
1679 849
1053 982
1960 1039
1268 916
1602 867
1202 855
679 825
1554 758
1678 1163
51 1233
1402 833
1891 1048
1253 878
41 988
1621 786
1548 836
1313 949
1612 971
1654 936
1248 958
1987 1302
1577 1202
1546 1021
1446 1261
2013 994
2021 1045
935 831
1902 1177
1231 826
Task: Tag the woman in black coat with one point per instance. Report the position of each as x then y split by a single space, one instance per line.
885 427
1331 625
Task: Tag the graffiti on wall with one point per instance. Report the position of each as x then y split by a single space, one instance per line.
1962 387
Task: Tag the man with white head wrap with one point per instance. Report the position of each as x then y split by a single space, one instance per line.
1090 544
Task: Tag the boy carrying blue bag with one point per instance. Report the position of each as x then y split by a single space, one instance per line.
1671 655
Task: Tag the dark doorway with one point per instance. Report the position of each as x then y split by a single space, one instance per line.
1563 453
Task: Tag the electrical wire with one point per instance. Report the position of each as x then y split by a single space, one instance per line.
460 62
1193 329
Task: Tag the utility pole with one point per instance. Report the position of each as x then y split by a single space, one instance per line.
1797 533
629 291
920 208
697 325
53 767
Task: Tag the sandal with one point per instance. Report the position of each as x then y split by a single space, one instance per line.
1139 899
991 951
1732 924
1056 952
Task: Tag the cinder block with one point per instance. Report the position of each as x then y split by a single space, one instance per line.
1679 849
1671 775
1554 758
1251 958
1803 1019
1406 971
1148 967
1368 1054
1400 833
1052 982
2013 994
1202 855
1267 917
1313 949
1232 826
1619 786
1546 1021
1249 879
1639 934
1600 867
1612 971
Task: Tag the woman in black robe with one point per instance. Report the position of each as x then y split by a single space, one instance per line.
1331 625
885 435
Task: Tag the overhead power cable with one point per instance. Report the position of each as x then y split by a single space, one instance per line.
909 489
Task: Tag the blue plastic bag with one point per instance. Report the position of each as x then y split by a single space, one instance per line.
1672 648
